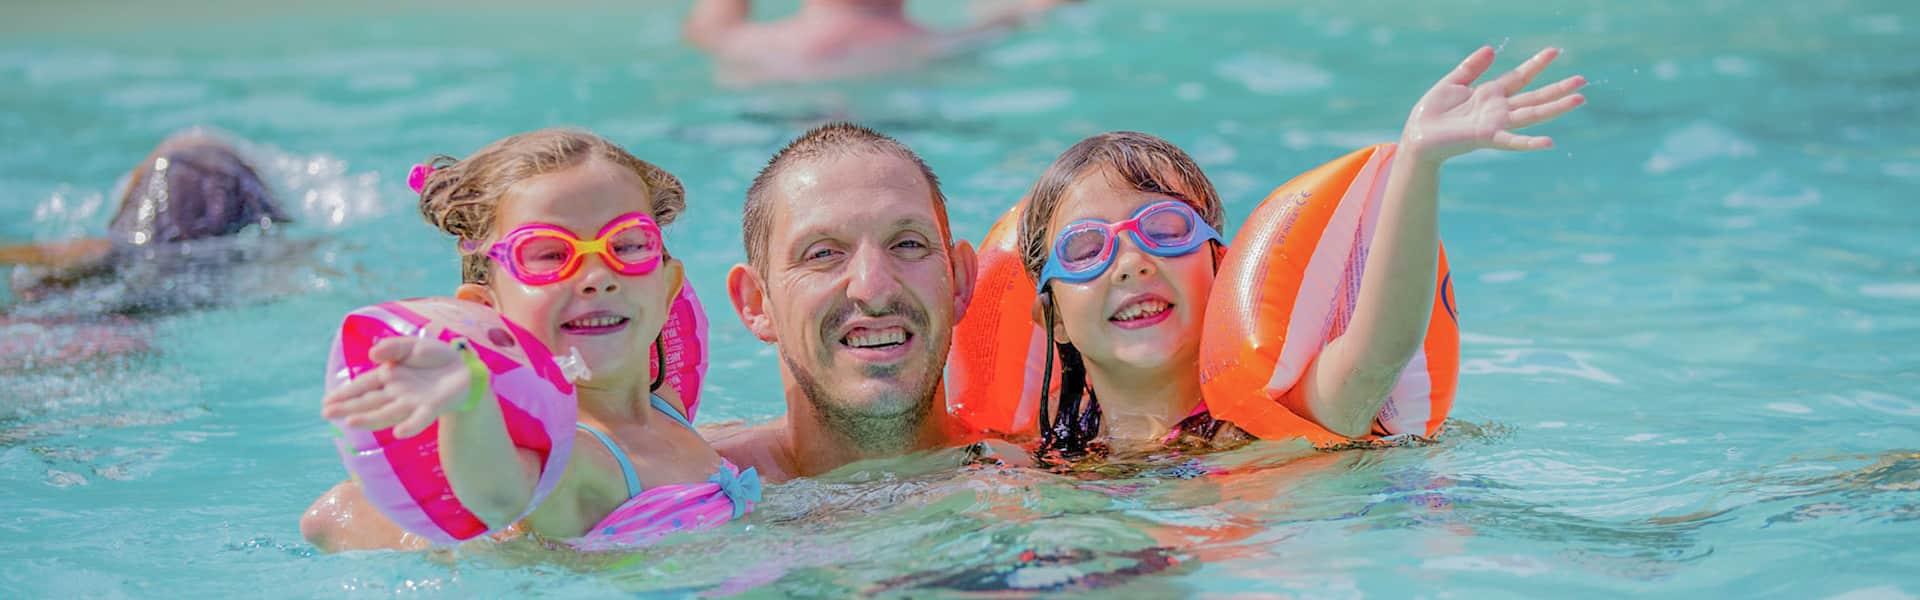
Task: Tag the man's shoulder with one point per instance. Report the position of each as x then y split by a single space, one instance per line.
751 445
740 432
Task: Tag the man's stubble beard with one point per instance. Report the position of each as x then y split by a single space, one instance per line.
888 424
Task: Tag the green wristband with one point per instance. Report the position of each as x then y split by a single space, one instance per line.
478 377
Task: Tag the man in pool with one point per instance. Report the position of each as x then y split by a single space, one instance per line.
854 277
833 39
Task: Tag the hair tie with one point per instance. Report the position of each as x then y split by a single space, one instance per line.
417 178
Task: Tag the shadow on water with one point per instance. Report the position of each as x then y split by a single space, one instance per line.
1886 489
91 356
182 277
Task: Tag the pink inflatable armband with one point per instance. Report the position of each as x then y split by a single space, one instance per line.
684 338
402 477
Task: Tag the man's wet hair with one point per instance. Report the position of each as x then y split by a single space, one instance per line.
826 141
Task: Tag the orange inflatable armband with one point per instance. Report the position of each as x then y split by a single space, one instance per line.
994 367
1288 287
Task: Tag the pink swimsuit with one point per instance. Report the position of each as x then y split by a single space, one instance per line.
653 513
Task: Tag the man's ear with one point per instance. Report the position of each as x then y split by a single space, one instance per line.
474 292
749 295
965 266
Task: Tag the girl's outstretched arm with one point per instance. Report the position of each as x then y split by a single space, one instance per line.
1346 386
421 381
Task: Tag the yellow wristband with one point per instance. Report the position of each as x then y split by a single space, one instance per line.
478 377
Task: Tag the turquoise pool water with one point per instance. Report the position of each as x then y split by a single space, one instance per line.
1691 334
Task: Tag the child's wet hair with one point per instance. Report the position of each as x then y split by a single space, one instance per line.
462 197
193 186
1143 162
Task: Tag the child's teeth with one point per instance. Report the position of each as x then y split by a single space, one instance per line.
1151 307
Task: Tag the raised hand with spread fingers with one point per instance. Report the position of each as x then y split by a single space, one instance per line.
1457 117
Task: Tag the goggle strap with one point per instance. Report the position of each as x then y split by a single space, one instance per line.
1046 374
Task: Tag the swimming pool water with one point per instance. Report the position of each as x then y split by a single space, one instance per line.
1691 333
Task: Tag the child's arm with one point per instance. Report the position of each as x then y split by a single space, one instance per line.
421 381
1348 383
712 20
1008 14
64 255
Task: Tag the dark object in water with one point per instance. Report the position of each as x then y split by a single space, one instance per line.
178 226
192 187
1032 572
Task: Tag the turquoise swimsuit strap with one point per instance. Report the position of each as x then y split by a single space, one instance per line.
721 475
662 405
626 466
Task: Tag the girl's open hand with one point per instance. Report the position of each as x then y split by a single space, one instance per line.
1457 117
417 381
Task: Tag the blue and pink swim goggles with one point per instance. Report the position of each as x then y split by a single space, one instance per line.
1085 249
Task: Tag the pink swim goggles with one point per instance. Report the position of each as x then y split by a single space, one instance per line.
542 254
